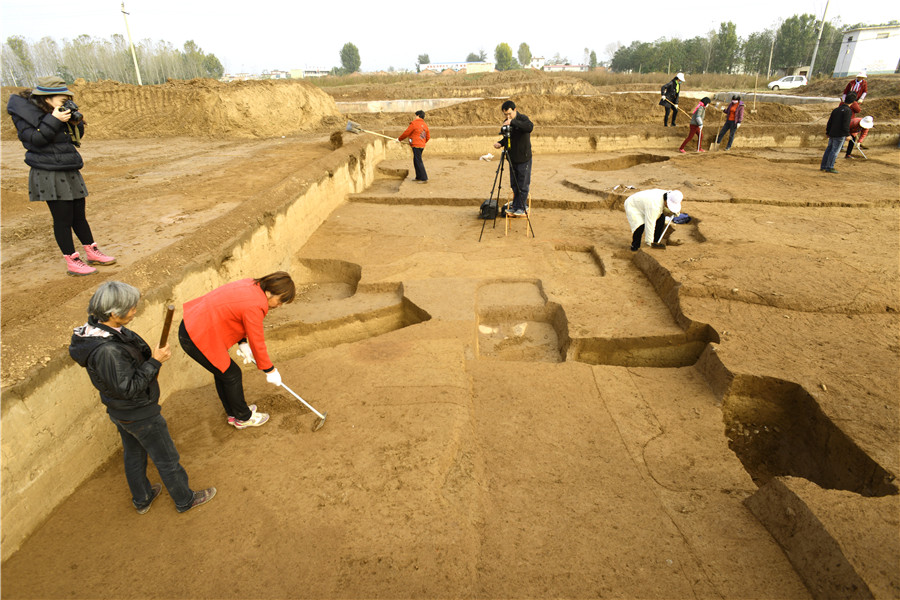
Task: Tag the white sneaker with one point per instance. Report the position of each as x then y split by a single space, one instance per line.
256 420
252 408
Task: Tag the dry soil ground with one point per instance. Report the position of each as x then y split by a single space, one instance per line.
546 416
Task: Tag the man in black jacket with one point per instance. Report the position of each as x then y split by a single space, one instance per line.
124 370
517 141
837 129
669 100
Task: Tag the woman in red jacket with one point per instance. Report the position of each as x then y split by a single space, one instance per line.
229 315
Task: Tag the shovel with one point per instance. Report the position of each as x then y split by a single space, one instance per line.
357 128
317 425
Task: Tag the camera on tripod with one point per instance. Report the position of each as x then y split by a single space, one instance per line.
504 130
70 105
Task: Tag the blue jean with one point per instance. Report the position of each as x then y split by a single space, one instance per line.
150 437
729 125
831 152
421 175
520 180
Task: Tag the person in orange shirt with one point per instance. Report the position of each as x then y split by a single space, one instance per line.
418 135
734 116
228 315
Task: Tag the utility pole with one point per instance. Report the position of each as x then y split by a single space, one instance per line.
131 44
812 63
771 51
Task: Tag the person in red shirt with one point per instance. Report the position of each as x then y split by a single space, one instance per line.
858 86
859 129
418 135
734 116
228 315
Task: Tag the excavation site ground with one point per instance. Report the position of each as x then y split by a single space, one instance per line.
516 409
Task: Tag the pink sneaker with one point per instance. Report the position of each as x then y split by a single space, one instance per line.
681 150
96 257
76 267
701 150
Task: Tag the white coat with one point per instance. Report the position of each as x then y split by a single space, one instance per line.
644 208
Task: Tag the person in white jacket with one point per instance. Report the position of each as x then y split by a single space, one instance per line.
646 212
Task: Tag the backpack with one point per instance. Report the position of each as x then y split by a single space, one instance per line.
488 209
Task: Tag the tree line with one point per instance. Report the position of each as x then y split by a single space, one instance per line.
94 59
790 45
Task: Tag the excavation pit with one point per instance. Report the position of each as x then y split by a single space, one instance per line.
776 428
622 162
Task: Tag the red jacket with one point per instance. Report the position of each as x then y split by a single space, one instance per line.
860 88
223 317
417 132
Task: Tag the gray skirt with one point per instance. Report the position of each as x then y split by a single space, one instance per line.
46 185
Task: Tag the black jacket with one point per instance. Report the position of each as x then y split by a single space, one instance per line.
671 91
839 121
520 128
120 367
47 140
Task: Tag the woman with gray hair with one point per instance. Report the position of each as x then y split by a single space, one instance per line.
124 370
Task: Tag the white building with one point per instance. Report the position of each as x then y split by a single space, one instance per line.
308 72
875 50
469 67
556 68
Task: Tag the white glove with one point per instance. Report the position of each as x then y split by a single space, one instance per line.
246 353
274 377
738 125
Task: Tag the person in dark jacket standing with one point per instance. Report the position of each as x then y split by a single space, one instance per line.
517 140
124 370
51 135
734 116
418 135
837 130
669 100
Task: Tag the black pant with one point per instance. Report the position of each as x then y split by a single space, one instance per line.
229 384
668 108
658 228
421 175
68 216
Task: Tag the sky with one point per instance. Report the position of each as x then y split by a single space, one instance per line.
288 34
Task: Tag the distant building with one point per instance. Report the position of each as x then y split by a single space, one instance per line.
276 74
468 67
556 68
537 62
875 50
301 73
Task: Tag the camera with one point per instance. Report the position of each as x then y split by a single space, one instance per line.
70 105
504 131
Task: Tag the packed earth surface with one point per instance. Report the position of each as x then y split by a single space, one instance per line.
519 408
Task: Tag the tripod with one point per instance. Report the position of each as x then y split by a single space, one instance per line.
493 205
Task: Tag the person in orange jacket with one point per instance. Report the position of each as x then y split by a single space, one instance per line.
228 315
418 136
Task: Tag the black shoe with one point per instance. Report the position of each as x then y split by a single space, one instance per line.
155 489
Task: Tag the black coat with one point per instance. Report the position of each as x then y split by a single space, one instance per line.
48 144
121 368
520 130
839 121
671 91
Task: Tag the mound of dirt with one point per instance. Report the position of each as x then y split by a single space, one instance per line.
563 110
498 84
197 108
884 109
880 86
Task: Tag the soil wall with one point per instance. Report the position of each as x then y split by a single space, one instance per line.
53 435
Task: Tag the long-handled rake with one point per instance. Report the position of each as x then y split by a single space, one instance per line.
357 128
317 425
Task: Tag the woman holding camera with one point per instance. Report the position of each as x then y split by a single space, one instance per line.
51 134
